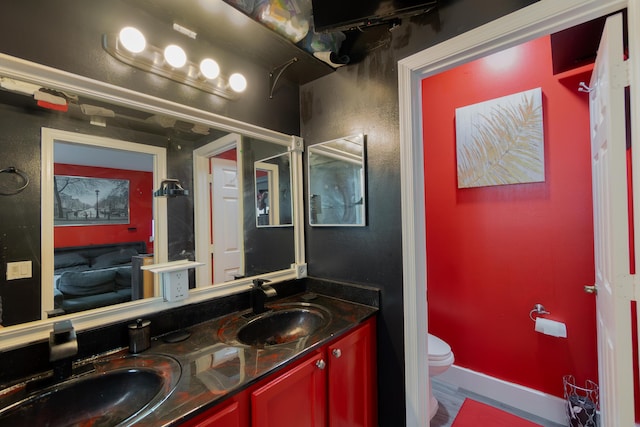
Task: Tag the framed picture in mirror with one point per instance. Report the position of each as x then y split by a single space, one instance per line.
82 200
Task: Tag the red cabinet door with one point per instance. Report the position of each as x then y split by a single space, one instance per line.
297 398
233 413
352 379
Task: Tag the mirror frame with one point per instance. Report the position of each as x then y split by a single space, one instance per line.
30 72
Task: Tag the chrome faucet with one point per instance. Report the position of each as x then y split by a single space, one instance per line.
63 345
259 294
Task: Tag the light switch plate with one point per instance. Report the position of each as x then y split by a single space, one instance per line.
19 270
176 285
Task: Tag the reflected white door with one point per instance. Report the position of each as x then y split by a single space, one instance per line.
611 227
226 236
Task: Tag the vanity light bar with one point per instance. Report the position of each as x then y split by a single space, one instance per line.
204 76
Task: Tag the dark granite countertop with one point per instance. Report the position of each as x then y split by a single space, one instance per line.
214 367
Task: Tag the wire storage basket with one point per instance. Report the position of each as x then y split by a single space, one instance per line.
582 402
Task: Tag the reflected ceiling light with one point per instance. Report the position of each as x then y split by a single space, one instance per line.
175 56
209 68
237 82
132 39
172 63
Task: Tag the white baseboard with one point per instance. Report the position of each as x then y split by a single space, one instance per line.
523 398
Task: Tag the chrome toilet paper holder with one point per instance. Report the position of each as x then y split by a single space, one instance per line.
538 310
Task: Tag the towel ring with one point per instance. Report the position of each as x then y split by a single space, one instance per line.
21 174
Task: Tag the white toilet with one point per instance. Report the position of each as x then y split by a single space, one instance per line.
440 358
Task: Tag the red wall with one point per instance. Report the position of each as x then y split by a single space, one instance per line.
494 252
140 210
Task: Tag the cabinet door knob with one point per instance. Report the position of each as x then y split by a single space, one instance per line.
591 289
321 364
336 352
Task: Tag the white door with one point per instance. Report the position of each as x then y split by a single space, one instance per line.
226 231
611 228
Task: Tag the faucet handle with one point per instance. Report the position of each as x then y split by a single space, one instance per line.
62 341
259 282
266 289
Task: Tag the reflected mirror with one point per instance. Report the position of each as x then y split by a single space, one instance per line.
337 182
227 233
273 191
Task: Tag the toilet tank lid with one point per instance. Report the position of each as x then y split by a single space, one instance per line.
437 347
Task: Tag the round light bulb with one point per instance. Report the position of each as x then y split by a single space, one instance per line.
237 82
132 39
209 68
175 56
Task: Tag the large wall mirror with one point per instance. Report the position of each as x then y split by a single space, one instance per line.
101 158
337 182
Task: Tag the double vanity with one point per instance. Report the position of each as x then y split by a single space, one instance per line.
218 357
240 369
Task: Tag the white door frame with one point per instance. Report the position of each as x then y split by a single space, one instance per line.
201 206
226 227
536 20
49 137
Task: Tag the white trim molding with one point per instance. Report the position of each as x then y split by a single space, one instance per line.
536 20
201 202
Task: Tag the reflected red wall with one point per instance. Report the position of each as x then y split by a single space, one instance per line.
140 210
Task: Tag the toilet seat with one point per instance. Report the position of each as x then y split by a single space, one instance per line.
439 352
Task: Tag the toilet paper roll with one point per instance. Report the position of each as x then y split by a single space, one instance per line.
551 327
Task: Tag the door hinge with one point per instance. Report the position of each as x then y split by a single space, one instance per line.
624 76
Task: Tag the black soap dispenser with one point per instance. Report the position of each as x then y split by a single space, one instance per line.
139 336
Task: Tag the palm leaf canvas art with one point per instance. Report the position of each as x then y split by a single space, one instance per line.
501 141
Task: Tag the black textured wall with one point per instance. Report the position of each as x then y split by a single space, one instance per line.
363 97
20 216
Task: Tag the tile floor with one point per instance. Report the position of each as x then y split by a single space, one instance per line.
451 398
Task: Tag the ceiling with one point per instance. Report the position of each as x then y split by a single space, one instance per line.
224 26
74 154
221 25
233 30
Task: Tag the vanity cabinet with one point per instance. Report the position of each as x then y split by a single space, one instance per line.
234 412
295 398
352 385
335 386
